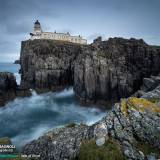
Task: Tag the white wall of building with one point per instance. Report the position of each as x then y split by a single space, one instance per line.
38 34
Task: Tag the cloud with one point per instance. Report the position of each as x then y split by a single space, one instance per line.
90 18
16 22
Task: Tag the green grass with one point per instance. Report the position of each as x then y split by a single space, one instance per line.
101 55
157 47
147 148
111 150
5 140
154 100
71 125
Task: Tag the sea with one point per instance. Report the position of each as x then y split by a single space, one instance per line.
26 119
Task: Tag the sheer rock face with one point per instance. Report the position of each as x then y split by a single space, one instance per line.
104 71
47 64
114 69
8 87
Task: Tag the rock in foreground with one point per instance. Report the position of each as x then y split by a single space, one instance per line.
131 130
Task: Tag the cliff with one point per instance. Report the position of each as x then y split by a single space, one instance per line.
104 71
9 89
47 64
17 61
129 131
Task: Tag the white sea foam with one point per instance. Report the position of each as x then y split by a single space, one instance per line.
18 78
26 119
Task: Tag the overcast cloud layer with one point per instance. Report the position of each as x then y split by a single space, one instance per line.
89 18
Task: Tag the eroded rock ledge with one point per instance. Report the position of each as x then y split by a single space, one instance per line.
9 89
47 64
104 71
134 124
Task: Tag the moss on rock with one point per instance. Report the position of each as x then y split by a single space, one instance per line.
139 104
71 125
111 150
5 140
124 107
154 100
147 149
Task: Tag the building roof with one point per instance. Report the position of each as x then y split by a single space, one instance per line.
37 22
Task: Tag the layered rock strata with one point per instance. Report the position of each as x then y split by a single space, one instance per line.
104 71
47 64
9 89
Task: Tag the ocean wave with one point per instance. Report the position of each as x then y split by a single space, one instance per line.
27 118
18 78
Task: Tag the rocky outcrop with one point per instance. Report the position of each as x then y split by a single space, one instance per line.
104 71
134 123
150 88
17 61
9 89
47 64
114 69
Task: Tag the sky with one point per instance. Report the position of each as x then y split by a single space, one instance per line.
88 18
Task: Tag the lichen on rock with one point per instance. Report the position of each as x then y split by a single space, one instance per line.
139 104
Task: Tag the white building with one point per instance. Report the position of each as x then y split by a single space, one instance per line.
39 34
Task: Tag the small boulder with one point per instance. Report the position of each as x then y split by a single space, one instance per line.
149 84
100 141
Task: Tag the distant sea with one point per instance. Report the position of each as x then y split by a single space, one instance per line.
25 119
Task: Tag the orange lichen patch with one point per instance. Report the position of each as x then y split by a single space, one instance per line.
142 104
124 107
139 104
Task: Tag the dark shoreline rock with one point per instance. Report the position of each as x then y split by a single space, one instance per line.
9 89
17 61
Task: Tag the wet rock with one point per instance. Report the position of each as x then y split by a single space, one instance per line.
7 87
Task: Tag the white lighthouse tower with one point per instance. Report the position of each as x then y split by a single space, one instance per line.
37 31
37 28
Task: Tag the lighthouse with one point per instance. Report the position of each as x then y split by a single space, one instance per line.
39 34
37 28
